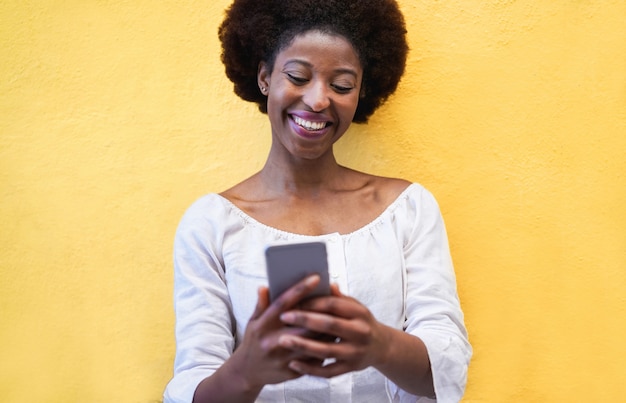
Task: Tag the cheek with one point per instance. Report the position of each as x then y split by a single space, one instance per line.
348 107
273 106
279 98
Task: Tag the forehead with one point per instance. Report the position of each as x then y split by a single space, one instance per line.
320 48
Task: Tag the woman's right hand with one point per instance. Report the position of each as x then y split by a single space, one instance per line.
259 360
262 360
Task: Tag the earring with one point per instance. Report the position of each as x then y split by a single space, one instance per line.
263 90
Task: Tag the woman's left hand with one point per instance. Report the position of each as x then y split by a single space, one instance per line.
361 341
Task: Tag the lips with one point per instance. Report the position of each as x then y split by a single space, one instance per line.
309 125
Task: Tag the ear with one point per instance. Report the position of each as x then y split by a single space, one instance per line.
263 78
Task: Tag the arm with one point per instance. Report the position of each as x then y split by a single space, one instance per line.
204 320
406 363
433 311
206 358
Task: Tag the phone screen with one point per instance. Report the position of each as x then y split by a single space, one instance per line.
290 263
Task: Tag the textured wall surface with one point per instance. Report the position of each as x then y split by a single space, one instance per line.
115 116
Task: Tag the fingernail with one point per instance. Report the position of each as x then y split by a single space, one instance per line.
293 365
287 317
285 341
311 280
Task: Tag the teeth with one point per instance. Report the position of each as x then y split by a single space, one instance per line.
309 125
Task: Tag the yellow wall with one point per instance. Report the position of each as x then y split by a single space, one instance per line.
115 116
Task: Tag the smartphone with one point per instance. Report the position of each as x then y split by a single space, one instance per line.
287 264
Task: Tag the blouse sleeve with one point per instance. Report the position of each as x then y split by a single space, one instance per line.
433 311
204 322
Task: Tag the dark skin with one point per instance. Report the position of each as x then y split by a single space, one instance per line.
302 189
259 360
344 203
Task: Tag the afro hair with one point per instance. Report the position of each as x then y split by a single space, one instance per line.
255 31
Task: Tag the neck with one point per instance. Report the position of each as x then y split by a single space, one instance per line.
300 176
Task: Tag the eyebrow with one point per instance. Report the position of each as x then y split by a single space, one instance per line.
341 70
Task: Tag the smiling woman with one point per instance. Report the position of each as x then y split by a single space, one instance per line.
315 67
313 92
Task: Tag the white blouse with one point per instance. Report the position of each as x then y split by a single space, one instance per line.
398 265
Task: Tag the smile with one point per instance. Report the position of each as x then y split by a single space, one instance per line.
309 125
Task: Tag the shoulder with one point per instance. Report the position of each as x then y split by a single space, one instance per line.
410 199
205 207
246 189
395 192
245 195
392 188
385 189
208 216
419 198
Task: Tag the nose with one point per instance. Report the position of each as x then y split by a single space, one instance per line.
317 96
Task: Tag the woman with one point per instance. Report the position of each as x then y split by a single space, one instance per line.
315 67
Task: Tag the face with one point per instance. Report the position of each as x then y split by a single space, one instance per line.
313 91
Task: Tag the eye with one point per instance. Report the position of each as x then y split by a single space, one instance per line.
296 79
342 89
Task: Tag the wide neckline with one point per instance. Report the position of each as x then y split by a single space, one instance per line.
287 234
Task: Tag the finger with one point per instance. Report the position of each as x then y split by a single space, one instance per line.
348 329
263 301
302 347
320 350
334 290
312 361
341 306
293 296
